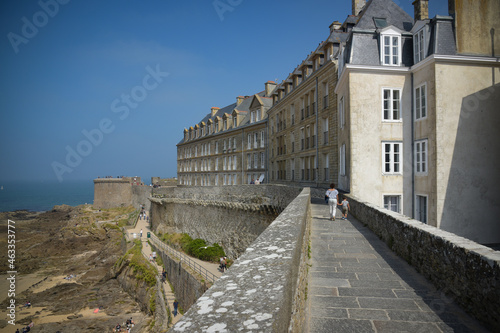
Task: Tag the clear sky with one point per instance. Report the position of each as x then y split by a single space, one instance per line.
97 88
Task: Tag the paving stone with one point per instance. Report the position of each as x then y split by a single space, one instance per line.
336 302
387 303
420 316
366 292
405 326
323 291
367 277
329 282
323 312
327 325
368 314
376 284
334 275
355 255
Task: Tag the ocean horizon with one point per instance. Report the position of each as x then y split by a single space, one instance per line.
41 196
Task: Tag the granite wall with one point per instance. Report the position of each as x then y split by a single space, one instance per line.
264 290
467 272
232 216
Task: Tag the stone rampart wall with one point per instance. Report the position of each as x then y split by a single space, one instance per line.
264 290
232 216
467 272
116 192
187 288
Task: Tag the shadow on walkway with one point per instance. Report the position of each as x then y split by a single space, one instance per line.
357 284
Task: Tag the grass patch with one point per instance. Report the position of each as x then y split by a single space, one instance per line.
197 248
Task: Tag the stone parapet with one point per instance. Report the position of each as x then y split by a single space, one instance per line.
264 290
467 273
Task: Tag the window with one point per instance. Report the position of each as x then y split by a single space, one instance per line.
392 202
341 112
225 124
262 139
421 148
391 160
252 117
255 161
419 46
292 167
325 131
392 104
216 147
262 161
325 97
255 136
292 113
258 116
235 165
342 160
421 102
249 139
421 208
326 169
391 50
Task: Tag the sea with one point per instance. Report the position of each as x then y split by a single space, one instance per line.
41 196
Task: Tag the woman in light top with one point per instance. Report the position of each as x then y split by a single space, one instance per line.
333 196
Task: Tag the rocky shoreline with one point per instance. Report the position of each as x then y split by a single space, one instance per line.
64 260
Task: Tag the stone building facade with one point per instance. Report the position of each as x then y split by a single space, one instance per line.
408 139
228 146
303 120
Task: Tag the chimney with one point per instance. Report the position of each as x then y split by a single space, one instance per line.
239 99
357 6
335 26
421 10
270 86
214 110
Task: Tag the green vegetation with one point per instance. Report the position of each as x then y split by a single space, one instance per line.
152 303
197 248
142 269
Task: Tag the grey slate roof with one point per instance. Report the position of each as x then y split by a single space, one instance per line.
442 39
387 9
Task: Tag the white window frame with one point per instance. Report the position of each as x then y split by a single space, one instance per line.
392 162
249 139
390 110
262 161
419 45
420 102
262 143
421 157
417 208
392 34
399 202
255 139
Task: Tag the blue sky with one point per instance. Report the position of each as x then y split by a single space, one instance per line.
94 88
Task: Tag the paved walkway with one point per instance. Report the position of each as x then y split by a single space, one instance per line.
143 225
357 284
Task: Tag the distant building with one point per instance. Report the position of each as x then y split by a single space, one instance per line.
228 146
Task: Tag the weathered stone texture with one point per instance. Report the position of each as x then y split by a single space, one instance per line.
265 288
465 271
232 216
187 288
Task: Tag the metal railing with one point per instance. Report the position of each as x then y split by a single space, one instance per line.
208 276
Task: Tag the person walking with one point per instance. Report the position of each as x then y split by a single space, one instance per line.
333 197
345 208
141 233
176 305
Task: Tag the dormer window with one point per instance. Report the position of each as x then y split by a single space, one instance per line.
390 54
419 45
225 124
235 123
252 117
258 116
